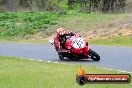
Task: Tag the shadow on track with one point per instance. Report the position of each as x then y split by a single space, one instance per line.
78 60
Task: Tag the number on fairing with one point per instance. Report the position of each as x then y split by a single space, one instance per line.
78 42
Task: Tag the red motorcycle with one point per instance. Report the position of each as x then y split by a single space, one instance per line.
75 48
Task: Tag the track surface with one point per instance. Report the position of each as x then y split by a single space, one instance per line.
118 58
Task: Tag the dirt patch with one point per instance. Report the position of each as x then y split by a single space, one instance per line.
117 28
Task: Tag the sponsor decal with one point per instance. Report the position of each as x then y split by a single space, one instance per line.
83 78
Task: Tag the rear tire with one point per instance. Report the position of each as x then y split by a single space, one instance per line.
95 56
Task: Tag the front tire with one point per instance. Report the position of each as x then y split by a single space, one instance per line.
95 56
61 56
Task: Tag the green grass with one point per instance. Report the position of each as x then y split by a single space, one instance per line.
45 41
22 73
27 24
82 23
22 27
16 24
114 41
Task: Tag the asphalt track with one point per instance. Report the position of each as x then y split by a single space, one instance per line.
118 58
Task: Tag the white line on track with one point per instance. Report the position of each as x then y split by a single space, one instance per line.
31 59
39 60
66 63
118 70
48 61
55 62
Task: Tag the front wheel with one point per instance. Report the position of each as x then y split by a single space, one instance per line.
61 57
94 55
60 54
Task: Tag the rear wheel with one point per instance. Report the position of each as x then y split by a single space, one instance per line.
94 55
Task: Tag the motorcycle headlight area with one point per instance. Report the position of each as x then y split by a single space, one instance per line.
78 43
51 40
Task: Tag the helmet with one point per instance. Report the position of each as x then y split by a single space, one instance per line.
60 31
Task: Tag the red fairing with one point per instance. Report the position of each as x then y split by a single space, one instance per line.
72 46
85 50
68 44
79 51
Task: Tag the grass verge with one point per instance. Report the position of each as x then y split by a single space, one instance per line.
23 73
114 41
82 23
25 41
28 24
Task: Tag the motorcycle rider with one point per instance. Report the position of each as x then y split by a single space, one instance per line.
61 37
72 47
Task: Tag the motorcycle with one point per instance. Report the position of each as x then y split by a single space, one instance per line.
75 49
